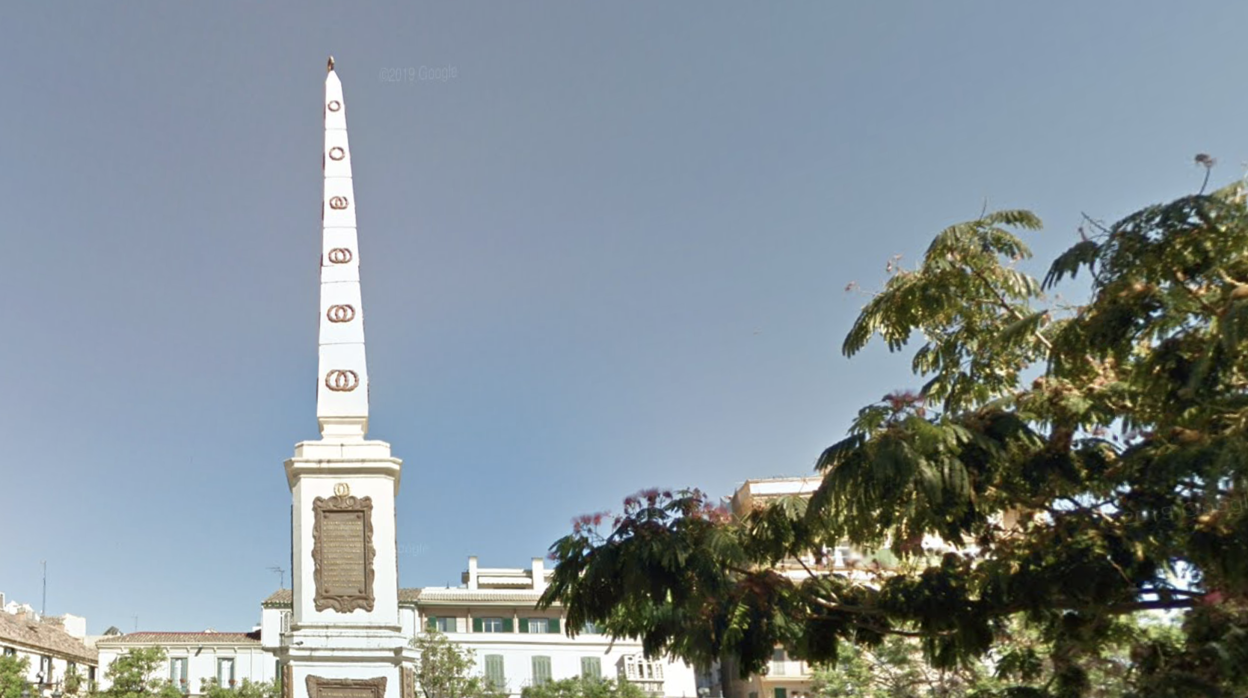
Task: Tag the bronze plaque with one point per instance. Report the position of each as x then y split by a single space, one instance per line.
342 553
346 688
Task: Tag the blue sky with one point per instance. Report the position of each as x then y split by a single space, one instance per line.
609 253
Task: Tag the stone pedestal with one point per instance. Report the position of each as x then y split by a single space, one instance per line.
345 640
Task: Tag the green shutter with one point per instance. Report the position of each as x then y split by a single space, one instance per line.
782 692
431 623
494 671
507 626
552 625
591 668
524 625
476 625
541 670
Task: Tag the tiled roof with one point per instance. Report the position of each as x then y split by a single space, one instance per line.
204 638
520 596
44 636
281 597
409 595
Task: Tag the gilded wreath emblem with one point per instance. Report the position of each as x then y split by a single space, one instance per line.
342 380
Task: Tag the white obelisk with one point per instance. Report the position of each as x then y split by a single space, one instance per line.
345 639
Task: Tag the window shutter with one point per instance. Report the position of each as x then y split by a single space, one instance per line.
476 625
552 625
591 668
524 625
782 692
494 671
507 626
431 623
541 670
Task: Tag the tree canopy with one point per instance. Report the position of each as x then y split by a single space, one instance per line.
582 687
131 676
13 672
212 688
1077 462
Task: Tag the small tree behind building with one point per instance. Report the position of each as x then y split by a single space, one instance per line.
445 670
583 687
130 676
211 688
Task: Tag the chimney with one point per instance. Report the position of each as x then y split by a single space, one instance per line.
539 574
472 572
75 626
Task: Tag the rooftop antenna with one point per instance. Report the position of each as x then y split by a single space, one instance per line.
136 623
43 611
281 574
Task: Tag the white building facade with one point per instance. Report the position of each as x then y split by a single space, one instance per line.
514 645
195 659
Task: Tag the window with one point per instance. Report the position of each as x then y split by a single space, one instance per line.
781 692
778 665
638 668
494 672
591 668
491 625
541 670
225 671
10 652
539 625
442 624
45 669
591 628
177 674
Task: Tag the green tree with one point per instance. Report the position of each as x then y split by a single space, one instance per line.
211 688
445 670
72 682
582 687
895 668
892 669
1087 462
130 676
13 673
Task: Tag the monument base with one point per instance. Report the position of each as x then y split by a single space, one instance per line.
328 679
335 662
